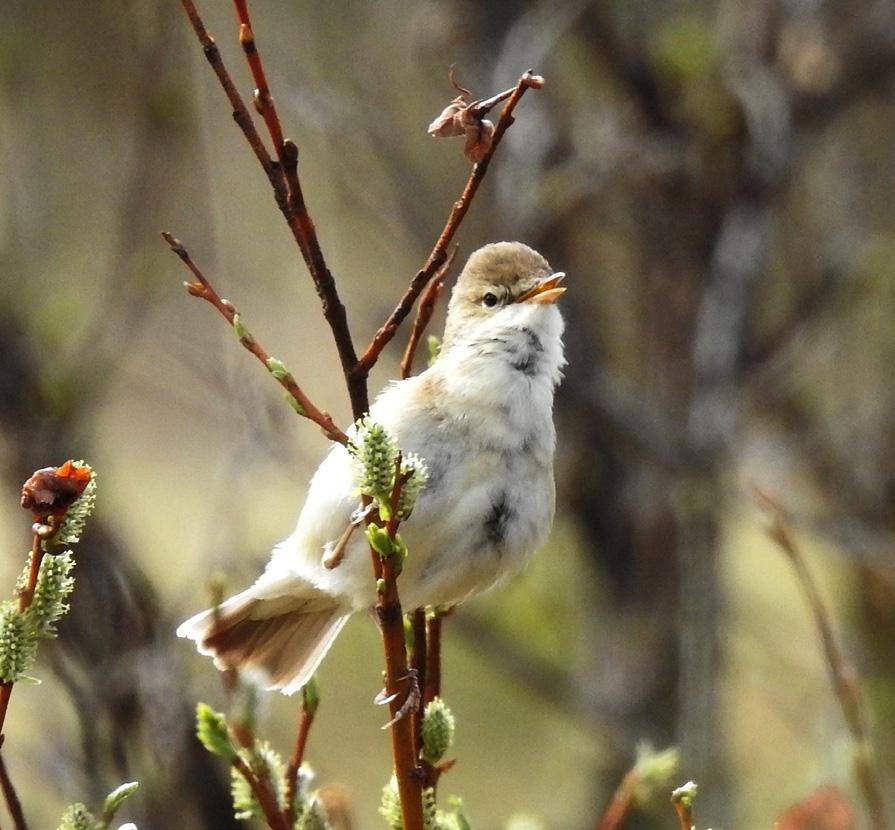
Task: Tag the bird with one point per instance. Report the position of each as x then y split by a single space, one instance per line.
481 418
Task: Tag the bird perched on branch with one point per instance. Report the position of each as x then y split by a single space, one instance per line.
482 418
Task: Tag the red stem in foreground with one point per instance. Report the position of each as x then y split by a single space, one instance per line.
621 802
298 754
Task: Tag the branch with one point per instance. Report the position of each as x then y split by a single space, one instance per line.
844 679
287 192
263 795
439 253
400 682
241 114
424 313
309 702
203 289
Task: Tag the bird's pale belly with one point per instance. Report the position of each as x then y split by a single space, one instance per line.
499 511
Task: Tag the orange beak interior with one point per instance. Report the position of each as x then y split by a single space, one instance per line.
545 291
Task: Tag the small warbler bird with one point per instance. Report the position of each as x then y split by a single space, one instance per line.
482 419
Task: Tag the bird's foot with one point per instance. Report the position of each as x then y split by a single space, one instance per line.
411 702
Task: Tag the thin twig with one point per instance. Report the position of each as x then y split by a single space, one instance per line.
621 802
399 680
418 664
439 253
263 99
14 805
241 114
298 754
434 621
264 795
844 678
287 192
203 289
424 312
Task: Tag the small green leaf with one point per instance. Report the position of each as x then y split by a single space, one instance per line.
433 345
211 729
290 399
310 695
116 798
277 368
239 328
379 540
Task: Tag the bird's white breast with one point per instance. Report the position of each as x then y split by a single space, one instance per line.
482 418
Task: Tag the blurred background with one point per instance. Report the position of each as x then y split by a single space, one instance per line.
717 180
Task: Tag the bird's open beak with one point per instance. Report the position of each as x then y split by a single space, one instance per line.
545 290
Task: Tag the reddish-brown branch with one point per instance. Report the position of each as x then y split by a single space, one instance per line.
439 253
263 99
432 689
399 685
621 802
399 679
424 313
241 114
287 191
203 289
298 754
418 664
264 795
12 798
843 678
684 814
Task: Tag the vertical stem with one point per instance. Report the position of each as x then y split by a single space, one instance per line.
621 802
298 754
432 687
398 687
418 663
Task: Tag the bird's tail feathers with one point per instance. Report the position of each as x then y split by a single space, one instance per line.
277 630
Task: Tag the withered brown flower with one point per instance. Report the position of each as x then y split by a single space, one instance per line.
52 490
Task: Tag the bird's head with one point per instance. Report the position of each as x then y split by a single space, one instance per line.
504 285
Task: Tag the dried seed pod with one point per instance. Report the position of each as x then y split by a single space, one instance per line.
52 490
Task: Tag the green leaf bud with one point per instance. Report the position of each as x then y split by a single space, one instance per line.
379 540
211 729
685 794
116 798
277 368
18 643
239 328
437 731
433 348
291 400
654 771
310 695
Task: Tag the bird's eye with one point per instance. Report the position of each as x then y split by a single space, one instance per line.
489 300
